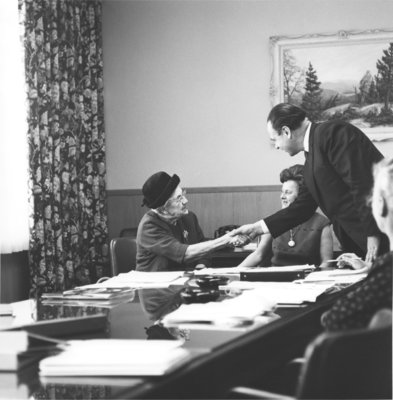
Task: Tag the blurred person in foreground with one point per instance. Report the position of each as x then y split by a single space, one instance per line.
309 243
372 298
169 237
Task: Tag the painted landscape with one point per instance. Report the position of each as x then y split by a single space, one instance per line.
352 83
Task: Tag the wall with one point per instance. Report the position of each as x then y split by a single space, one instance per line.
187 84
187 91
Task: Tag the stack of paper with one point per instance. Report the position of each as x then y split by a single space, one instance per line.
284 293
86 295
17 352
116 357
5 309
237 311
11 387
12 345
141 280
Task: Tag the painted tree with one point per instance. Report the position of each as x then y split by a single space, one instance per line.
293 78
384 77
364 87
372 95
312 98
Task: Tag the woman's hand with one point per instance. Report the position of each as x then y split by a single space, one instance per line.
373 243
352 260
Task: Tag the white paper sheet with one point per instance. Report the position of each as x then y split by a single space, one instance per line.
284 292
122 357
235 311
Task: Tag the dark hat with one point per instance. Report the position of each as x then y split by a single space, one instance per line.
158 188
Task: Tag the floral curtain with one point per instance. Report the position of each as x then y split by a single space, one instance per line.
64 76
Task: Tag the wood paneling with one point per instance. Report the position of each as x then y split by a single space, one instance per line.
213 206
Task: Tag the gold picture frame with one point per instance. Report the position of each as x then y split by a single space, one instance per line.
344 63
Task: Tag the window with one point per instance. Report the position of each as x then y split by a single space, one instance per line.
14 210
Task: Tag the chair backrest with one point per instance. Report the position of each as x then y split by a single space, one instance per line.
354 364
129 232
122 254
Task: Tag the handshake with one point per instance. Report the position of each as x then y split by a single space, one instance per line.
241 236
236 240
239 240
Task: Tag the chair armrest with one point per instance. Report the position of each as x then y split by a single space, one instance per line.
103 279
242 392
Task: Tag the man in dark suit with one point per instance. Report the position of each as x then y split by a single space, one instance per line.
338 177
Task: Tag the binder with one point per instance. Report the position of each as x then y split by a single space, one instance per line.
274 276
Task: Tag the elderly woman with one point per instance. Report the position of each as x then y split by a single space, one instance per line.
309 243
169 237
359 307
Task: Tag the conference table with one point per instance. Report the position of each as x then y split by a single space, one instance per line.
221 358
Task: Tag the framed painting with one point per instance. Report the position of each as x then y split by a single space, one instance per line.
345 75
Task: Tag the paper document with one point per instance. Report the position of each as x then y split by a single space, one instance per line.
121 357
284 292
246 247
236 311
337 276
5 309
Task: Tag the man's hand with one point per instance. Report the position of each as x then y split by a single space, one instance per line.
372 248
251 231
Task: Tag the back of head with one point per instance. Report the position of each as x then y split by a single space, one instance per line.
294 173
285 114
382 197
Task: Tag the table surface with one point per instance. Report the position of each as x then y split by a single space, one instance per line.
218 353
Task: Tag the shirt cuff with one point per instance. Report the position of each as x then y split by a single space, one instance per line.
264 227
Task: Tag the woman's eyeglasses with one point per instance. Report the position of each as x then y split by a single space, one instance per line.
179 198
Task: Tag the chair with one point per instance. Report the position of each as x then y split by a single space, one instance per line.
354 364
122 252
128 232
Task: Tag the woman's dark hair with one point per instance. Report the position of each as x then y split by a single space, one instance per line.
285 114
294 173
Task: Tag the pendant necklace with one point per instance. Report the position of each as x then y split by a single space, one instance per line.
291 242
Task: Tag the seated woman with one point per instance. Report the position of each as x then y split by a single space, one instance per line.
358 307
309 243
169 237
